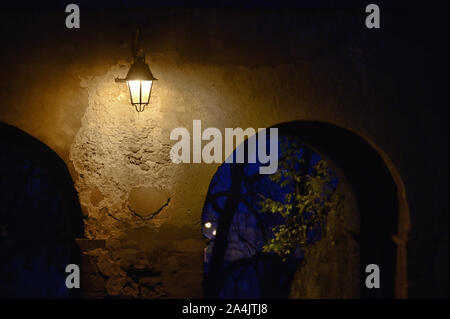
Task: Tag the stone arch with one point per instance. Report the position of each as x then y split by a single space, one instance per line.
40 218
380 196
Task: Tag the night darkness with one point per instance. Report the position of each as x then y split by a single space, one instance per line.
157 204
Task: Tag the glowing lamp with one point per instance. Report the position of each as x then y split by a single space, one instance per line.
139 80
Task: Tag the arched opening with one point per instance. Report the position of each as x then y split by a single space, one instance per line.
377 200
40 217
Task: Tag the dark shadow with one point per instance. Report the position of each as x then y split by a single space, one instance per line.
40 217
376 195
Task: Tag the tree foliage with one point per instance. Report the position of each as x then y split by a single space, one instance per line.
311 195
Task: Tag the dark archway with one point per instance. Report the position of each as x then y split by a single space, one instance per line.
376 196
40 217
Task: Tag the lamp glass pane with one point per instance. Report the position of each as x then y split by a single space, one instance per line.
146 89
134 87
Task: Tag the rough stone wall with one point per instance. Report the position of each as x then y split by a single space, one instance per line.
125 181
122 159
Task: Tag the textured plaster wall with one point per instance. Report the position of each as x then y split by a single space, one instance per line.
288 66
131 192
121 157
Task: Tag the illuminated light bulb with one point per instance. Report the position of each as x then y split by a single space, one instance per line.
140 93
208 225
214 232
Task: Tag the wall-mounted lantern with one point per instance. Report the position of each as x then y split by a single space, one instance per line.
139 78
